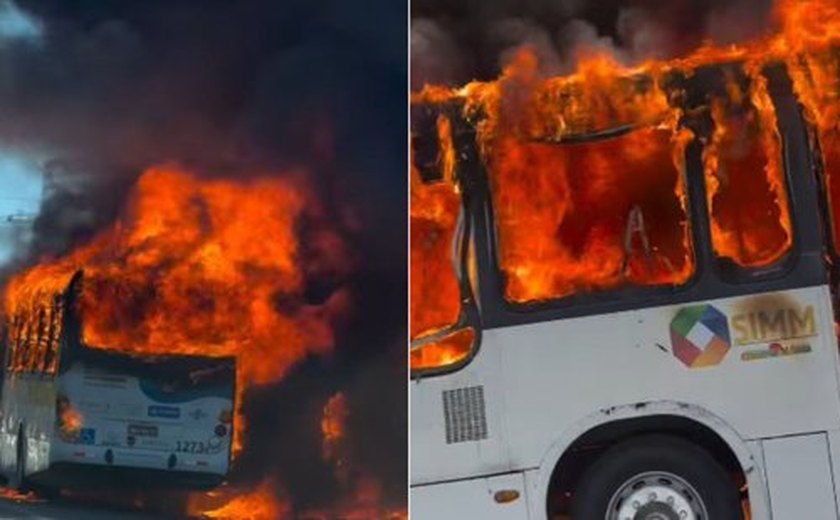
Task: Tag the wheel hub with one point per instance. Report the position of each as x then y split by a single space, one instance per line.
656 496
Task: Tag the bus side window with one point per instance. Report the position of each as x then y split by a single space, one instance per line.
12 338
39 354
749 210
31 345
54 337
438 340
19 340
591 216
26 342
23 340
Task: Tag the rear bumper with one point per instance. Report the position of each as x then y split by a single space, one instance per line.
78 475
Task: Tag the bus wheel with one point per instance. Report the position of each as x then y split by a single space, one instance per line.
20 466
656 477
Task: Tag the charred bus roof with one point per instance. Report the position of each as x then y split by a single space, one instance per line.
73 347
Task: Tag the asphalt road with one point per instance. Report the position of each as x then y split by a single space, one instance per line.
12 509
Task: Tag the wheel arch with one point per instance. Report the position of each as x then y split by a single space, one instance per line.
624 421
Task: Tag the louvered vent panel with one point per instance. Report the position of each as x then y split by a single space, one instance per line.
463 410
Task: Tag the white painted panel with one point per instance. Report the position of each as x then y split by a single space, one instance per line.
433 459
799 477
757 481
469 499
558 372
834 451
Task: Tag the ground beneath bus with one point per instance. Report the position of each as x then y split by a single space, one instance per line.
18 508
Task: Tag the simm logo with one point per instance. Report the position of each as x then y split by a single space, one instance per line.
780 324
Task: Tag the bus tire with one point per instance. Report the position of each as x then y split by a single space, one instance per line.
21 482
659 476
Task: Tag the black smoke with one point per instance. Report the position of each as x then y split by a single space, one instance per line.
453 42
104 89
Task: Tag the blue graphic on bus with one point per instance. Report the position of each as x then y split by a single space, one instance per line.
166 412
87 436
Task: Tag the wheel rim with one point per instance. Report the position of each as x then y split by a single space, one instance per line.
656 495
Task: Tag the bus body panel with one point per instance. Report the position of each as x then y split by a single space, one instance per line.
428 424
474 498
632 353
142 427
799 476
777 377
28 402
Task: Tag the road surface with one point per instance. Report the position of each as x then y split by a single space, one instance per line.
12 509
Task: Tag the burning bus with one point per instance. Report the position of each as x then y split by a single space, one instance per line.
624 288
73 413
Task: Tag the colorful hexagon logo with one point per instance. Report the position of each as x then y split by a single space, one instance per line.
700 336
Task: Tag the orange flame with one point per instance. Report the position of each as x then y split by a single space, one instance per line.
444 352
259 504
16 496
750 216
195 267
434 215
333 426
70 420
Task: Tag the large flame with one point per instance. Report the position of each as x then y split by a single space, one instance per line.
333 430
258 504
596 213
206 267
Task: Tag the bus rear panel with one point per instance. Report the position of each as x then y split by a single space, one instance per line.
170 417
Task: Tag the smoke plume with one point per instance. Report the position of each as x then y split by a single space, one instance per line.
455 42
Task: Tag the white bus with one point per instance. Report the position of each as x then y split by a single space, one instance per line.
664 348
76 416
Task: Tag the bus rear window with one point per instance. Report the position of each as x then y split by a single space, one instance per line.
592 216
745 179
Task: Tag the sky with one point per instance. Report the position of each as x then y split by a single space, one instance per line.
20 195
20 176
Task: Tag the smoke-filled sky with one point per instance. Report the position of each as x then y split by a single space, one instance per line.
225 85
453 42
96 91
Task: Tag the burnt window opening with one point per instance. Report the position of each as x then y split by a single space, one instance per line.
591 216
437 233
34 337
816 79
745 176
